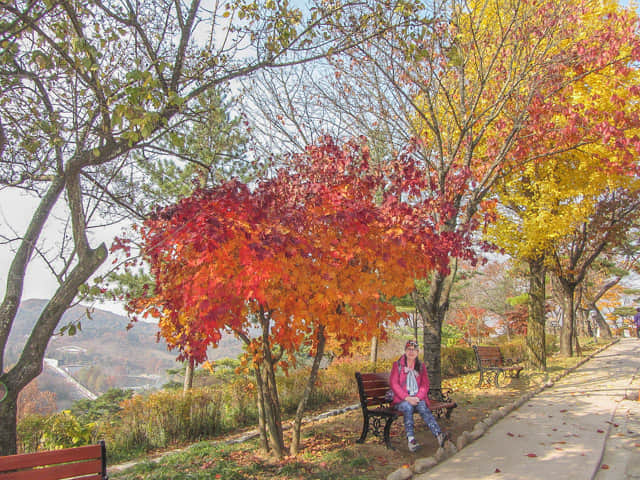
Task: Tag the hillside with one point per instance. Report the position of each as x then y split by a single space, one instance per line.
103 354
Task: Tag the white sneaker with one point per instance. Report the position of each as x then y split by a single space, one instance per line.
413 445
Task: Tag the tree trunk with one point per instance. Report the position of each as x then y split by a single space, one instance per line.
271 403
29 365
567 332
605 331
433 310
536 338
262 429
295 440
264 438
188 376
373 358
8 421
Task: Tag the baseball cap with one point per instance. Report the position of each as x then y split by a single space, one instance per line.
411 343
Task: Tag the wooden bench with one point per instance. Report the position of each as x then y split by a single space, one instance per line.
490 360
372 388
81 463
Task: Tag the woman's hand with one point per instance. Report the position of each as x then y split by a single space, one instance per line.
413 401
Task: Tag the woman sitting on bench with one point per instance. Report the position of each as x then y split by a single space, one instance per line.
410 384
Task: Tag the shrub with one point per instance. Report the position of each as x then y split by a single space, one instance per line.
63 430
456 360
30 430
162 418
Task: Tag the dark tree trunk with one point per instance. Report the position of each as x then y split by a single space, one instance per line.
433 310
271 403
262 428
567 332
295 440
536 338
8 421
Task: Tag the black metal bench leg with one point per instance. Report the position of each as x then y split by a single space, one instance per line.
387 432
498 372
365 430
481 378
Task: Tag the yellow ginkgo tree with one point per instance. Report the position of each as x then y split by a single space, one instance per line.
506 92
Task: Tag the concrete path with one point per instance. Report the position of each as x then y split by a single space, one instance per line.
582 428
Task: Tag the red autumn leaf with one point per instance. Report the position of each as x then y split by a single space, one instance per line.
600 431
531 455
605 466
497 470
510 434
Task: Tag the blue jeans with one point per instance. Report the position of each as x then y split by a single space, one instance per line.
408 410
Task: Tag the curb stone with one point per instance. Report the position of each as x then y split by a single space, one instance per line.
482 426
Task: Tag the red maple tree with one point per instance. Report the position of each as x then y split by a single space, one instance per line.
311 253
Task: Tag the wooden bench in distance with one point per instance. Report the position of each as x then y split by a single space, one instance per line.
490 360
372 388
82 463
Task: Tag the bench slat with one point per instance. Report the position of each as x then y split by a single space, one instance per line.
77 463
26 460
78 470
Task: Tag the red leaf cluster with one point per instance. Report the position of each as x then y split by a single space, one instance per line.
321 244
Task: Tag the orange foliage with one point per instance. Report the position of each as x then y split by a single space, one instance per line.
32 401
320 244
515 320
470 321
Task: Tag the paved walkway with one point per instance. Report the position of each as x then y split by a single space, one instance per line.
581 428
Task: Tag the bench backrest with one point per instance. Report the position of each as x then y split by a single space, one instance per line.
488 356
85 463
372 388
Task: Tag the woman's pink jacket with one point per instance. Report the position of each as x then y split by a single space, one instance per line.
398 382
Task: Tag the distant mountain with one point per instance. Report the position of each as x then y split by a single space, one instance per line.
103 353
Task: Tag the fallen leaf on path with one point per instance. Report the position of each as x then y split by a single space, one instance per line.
605 467
497 470
510 434
600 431
531 455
